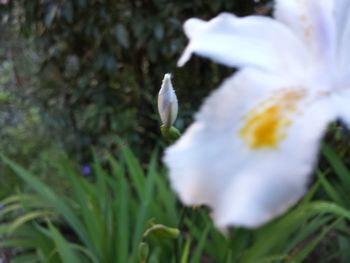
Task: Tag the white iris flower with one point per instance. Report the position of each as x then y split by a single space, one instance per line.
251 150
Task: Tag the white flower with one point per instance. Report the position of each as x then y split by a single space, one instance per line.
167 102
251 150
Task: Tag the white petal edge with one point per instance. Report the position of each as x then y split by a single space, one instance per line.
254 41
211 165
341 102
342 15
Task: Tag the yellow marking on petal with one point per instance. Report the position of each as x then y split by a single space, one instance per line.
266 125
308 28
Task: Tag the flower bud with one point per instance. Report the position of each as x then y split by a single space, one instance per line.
167 102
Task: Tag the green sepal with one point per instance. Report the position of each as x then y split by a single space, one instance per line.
171 134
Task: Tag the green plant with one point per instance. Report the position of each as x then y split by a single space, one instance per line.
121 214
105 219
98 60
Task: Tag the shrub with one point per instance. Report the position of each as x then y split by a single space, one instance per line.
102 62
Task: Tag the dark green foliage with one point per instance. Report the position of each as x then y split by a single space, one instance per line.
102 63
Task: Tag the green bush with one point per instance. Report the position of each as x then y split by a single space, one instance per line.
101 64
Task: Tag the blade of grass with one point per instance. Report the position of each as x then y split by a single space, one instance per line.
329 189
198 251
311 245
186 250
91 216
28 217
134 170
64 248
47 194
26 258
121 210
147 195
338 166
329 207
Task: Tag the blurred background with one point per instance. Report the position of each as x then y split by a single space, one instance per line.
76 74
79 79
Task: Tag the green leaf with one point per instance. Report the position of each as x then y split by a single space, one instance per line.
25 258
134 170
67 11
90 214
311 245
55 201
122 35
198 251
338 166
147 194
159 31
186 250
51 14
329 189
64 248
28 217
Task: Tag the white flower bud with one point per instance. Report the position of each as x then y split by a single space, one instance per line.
167 102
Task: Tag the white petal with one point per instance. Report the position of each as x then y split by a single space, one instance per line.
244 182
342 15
250 41
341 102
313 21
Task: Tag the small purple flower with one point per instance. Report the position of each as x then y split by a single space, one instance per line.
2 206
86 170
